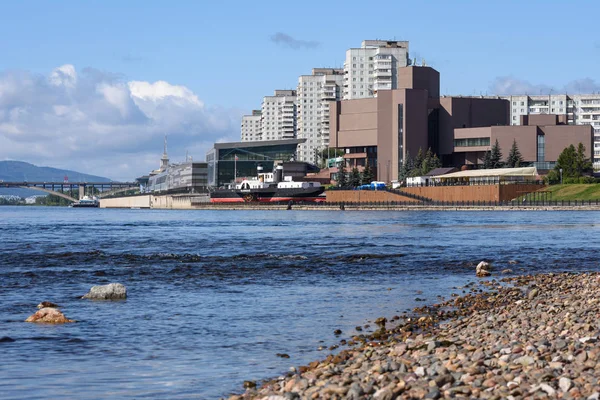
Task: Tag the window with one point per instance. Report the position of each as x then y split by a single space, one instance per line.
522 103
541 148
514 103
514 117
470 142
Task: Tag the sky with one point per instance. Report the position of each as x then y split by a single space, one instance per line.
95 85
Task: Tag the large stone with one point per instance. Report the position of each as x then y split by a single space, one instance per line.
112 291
483 269
49 315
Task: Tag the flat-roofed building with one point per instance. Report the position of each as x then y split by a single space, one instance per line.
229 162
251 126
386 129
540 139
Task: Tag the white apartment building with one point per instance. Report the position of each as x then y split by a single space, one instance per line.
251 126
314 94
372 67
581 109
278 116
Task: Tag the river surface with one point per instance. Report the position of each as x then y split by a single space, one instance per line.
213 296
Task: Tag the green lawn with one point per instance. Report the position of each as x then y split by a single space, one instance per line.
573 192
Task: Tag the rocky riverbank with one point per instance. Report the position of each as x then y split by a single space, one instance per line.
522 337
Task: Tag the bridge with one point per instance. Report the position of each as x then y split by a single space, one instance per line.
60 189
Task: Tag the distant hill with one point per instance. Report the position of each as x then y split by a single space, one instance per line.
19 171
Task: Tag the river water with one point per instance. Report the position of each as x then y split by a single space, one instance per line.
213 296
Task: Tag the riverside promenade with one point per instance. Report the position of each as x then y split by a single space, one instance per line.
521 337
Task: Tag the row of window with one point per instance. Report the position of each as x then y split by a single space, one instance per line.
471 142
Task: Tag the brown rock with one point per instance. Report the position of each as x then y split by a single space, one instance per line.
49 315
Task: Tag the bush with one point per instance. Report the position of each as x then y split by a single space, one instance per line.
552 178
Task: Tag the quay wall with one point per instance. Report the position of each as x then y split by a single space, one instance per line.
165 202
473 193
367 196
126 202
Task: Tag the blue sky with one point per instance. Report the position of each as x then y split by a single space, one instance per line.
223 52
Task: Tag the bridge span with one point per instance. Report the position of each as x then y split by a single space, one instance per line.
62 188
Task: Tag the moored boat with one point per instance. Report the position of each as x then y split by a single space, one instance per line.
87 202
269 187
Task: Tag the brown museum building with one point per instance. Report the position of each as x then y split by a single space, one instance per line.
384 129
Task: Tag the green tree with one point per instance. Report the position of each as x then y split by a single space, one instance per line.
582 163
354 179
567 162
406 167
514 159
496 156
436 162
418 163
427 160
342 180
487 160
367 175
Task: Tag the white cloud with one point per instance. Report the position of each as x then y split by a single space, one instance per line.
95 122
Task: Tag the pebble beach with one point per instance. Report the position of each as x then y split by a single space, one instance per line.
526 337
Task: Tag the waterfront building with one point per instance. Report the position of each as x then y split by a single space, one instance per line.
579 109
384 130
540 139
229 162
278 116
373 67
251 127
314 94
186 177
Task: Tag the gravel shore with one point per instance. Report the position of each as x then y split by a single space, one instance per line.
527 337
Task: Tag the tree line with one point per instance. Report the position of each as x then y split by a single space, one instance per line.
354 178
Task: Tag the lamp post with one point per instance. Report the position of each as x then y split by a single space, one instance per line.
560 170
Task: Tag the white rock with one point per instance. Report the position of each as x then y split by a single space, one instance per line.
548 389
483 269
112 291
420 371
565 384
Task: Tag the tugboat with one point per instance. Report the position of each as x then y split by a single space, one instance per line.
88 202
269 187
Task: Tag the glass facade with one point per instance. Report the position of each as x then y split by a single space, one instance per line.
223 166
541 148
472 142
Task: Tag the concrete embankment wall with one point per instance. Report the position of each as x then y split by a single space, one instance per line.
126 202
473 193
174 202
358 196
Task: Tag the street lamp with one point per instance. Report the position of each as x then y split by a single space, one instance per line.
560 170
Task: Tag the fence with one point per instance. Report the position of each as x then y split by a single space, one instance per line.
405 204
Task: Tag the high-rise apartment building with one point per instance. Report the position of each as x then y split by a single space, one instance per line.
580 109
251 126
373 67
278 115
314 95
